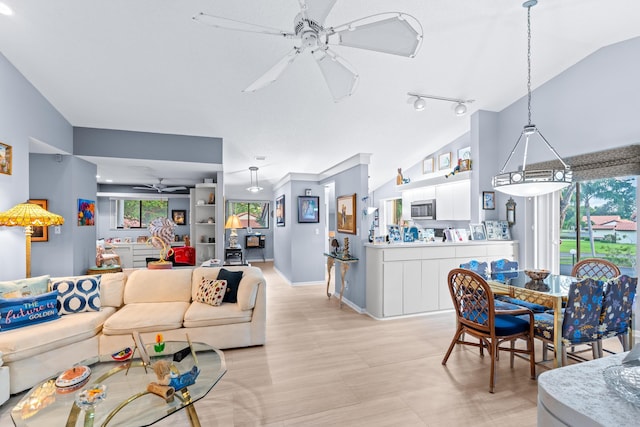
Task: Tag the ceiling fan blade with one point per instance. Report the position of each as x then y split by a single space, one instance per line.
393 32
146 187
173 188
232 24
275 71
317 10
340 76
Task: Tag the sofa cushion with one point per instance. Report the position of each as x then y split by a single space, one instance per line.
146 317
211 291
77 294
146 286
247 290
112 289
24 287
233 279
50 336
200 314
20 312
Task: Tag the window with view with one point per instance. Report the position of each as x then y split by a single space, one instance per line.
137 213
250 213
598 220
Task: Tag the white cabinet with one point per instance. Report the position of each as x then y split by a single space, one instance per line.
453 201
206 222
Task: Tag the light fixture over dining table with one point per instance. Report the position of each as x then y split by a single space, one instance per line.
253 172
531 182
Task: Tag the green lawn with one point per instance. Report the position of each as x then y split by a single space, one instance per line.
618 253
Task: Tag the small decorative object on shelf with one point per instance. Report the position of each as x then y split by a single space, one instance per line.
345 251
212 198
159 345
335 246
186 379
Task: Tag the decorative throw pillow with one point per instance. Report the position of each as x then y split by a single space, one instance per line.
24 287
77 294
233 282
18 312
211 291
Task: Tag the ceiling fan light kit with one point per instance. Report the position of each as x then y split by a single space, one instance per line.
392 32
419 103
523 182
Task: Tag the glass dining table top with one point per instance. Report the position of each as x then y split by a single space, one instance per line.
554 284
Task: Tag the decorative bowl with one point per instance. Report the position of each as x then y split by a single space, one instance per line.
90 397
537 274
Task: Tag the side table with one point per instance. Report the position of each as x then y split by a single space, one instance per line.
233 256
345 263
104 269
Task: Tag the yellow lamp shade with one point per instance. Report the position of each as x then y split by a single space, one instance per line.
26 214
233 222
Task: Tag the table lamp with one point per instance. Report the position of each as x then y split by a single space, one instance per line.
233 222
28 215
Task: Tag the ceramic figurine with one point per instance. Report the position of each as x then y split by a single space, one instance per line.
183 380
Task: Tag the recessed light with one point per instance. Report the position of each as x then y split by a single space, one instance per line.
108 180
261 157
97 176
5 10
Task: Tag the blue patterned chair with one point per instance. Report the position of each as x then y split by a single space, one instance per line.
504 269
477 316
481 268
617 309
581 318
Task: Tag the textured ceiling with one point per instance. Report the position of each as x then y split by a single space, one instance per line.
144 65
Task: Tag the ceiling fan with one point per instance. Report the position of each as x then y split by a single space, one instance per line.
160 187
391 32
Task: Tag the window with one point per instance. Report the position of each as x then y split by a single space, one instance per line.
392 214
132 213
254 214
600 214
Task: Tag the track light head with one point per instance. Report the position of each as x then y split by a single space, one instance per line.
460 109
419 104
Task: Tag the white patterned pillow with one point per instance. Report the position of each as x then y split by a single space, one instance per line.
211 291
77 294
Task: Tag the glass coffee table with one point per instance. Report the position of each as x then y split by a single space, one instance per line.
127 401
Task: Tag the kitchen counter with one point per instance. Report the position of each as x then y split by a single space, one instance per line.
431 244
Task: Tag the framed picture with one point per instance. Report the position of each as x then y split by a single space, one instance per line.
497 230
5 159
308 209
478 232
488 200
427 165
444 161
346 214
280 211
86 212
40 234
179 216
464 153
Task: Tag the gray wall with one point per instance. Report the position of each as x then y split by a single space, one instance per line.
25 114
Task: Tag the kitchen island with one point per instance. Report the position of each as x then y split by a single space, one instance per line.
411 278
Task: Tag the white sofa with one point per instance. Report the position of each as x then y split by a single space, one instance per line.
147 301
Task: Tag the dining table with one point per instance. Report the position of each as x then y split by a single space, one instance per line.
550 292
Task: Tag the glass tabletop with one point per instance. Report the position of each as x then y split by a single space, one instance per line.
553 284
47 405
340 256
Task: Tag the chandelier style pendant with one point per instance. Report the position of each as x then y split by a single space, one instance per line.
533 182
253 172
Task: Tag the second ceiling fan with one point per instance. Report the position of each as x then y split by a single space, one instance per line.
392 32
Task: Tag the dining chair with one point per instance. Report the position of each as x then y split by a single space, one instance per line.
597 268
481 268
502 270
581 318
617 310
476 315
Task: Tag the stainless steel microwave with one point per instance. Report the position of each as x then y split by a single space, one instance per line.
423 209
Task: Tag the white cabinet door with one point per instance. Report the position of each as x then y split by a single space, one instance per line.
412 292
444 296
430 285
453 201
392 299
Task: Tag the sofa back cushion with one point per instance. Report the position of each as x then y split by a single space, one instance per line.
158 286
112 289
247 290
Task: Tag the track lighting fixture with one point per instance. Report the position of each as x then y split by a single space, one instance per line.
460 109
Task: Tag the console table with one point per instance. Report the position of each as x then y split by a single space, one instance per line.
344 262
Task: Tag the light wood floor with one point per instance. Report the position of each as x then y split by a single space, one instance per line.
325 366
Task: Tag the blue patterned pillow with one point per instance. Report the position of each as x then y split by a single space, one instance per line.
18 312
77 294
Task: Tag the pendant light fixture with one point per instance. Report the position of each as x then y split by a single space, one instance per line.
253 172
523 182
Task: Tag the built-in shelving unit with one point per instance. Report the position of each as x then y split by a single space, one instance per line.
205 222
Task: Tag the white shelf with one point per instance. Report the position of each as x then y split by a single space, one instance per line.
201 228
436 180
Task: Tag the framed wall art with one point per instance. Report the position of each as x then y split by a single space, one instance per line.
488 200
346 214
444 161
308 209
280 211
40 234
179 216
497 230
427 165
478 232
6 161
86 212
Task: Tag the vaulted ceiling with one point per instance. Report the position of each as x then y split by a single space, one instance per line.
145 65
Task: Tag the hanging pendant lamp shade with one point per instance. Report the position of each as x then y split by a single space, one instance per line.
28 215
535 182
253 172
